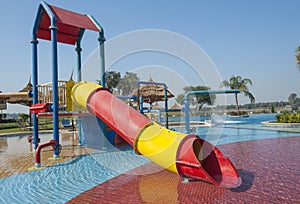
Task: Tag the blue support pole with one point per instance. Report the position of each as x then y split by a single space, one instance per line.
78 51
187 115
141 100
78 71
55 118
101 40
55 107
34 41
36 138
166 106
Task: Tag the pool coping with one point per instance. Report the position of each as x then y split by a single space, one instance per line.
13 134
273 123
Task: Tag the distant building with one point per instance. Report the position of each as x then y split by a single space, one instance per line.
12 116
3 106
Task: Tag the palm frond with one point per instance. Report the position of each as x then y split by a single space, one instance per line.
237 82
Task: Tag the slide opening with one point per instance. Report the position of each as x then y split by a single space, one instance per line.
206 155
197 150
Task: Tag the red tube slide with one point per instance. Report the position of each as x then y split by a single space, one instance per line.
188 155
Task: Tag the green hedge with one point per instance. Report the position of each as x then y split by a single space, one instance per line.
235 113
288 118
8 125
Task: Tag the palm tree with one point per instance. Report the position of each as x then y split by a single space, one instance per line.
237 82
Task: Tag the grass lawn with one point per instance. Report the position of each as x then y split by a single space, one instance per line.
15 127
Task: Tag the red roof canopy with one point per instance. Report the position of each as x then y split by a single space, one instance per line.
68 23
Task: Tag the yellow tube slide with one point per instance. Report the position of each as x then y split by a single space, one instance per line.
188 155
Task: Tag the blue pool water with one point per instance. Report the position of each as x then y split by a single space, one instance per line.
60 183
228 130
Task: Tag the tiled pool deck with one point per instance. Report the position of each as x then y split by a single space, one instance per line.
20 159
270 170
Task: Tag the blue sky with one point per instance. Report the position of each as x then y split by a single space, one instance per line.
255 39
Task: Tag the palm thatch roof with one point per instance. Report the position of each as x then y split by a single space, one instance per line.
151 92
20 97
156 106
175 106
28 87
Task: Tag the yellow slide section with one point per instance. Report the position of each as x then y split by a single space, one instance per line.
159 145
81 91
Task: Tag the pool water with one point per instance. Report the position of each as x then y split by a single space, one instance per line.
60 183
64 181
228 130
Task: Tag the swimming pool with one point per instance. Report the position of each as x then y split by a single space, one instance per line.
228 130
59 183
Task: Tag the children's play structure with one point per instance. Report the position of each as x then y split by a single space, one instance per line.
185 154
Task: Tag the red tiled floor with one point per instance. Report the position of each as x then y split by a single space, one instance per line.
270 170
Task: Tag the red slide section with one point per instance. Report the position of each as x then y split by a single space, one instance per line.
199 159
117 115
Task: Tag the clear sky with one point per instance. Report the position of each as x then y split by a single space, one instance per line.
255 39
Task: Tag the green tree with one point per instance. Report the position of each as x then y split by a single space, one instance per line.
294 101
179 98
127 83
292 98
112 79
298 56
272 109
23 116
197 100
296 105
237 82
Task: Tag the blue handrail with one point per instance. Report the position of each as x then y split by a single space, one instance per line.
186 102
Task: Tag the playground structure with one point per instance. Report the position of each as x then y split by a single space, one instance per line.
58 25
45 93
185 154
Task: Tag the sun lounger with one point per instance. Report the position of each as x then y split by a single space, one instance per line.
67 124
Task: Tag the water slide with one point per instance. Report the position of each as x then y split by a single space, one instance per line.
185 154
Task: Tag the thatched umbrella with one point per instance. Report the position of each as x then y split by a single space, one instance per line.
20 97
28 87
151 92
3 98
175 107
156 106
